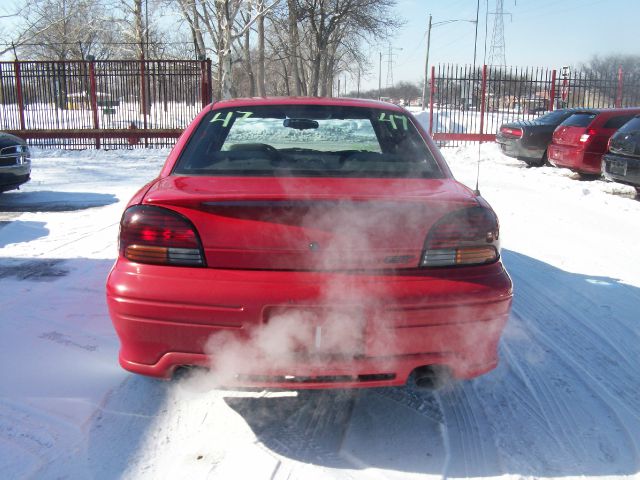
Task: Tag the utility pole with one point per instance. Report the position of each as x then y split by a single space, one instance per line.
486 32
475 42
380 79
426 66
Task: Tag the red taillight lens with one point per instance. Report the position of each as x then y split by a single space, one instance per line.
464 237
515 132
157 235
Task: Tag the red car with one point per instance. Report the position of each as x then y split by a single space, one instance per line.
309 242
581 140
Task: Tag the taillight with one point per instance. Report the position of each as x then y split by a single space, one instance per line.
584 138
159 236
465 237
516 132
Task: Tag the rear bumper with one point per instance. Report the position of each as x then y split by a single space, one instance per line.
622 169
516 148
168 317
574 158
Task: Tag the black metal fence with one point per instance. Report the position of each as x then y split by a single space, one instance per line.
80 104
469 104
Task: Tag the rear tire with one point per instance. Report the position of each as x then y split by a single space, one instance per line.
588 177
534 162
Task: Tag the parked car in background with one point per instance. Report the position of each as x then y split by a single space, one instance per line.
308 242
15 162
622 162
527 140
581 140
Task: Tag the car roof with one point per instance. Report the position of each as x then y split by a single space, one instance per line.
316 101
609 111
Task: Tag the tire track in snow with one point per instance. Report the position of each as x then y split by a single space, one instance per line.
584 432
471 449
591 343
598 325
568 379
34 433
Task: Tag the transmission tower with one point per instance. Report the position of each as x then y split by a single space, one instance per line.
497 51
390 65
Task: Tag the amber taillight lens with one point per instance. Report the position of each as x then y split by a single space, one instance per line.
465 237
156 235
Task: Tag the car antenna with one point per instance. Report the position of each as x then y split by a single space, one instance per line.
477 189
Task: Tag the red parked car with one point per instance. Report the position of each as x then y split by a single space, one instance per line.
581 140
312 243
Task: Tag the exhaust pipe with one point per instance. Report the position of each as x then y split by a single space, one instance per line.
431 377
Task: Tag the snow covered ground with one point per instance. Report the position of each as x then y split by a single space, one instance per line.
564 401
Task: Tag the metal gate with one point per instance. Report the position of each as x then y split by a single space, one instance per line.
469 105
102 104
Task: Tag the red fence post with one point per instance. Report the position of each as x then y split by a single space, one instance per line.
432 89
483 99
94 101
552 92
20 98
143 97
620 86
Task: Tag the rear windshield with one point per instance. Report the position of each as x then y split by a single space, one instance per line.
617 122
302 140
579 120
632 125
553 118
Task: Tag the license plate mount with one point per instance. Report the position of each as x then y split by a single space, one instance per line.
618 167
321 331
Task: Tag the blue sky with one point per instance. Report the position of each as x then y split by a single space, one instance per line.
549 33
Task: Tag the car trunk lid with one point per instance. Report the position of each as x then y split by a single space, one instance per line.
568 135
311 223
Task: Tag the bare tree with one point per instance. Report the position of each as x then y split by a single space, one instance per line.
260 10
64 30
608 65
226 23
